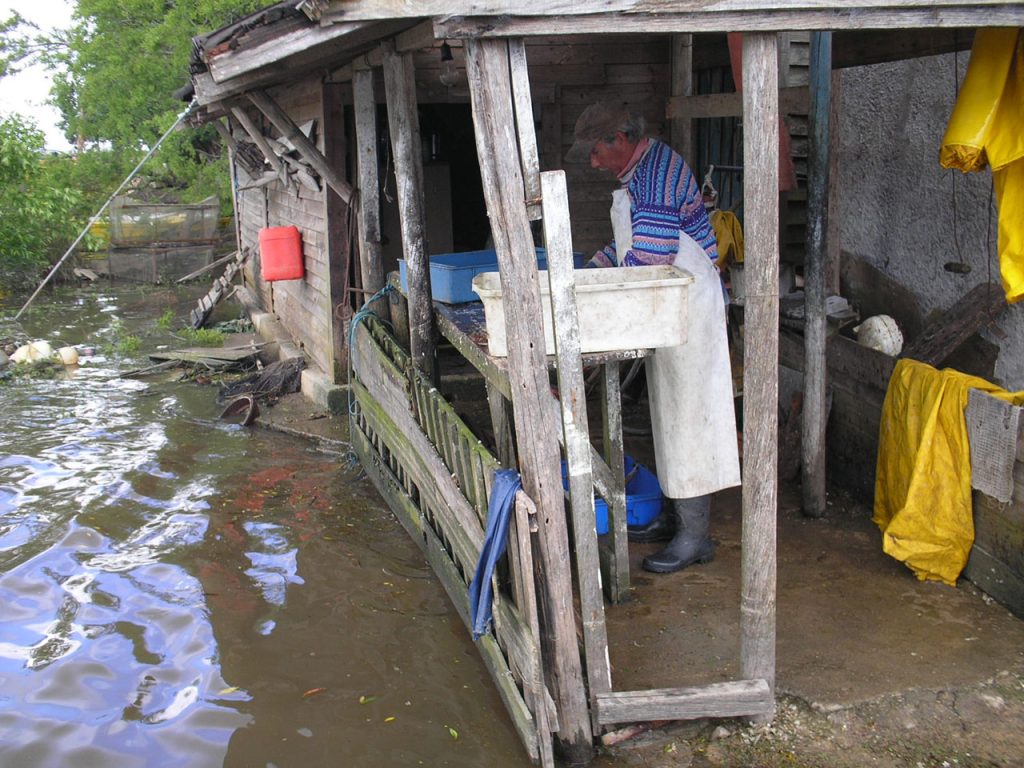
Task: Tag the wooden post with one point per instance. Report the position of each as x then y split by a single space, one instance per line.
814 413
339 235
681 128
290 131
575 426
761 355
371 264
487 69
404 126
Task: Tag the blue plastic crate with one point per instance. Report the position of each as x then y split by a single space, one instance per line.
643 497
451 274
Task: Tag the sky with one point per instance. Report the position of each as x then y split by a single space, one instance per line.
26 92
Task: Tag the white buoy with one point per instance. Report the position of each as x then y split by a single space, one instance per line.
32 352
68 355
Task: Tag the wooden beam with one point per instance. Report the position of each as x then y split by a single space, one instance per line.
575 427
977 309
732 699
339 221
814 412
404 126
760 355
290 131
524 126
792 100
371 263
415 39
250 127
487 70
962 14
681 126
356 10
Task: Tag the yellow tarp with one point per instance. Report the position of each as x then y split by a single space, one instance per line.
923 481
987 128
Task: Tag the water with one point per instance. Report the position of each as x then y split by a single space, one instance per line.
179 591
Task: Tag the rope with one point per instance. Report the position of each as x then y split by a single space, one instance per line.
351 460
95 216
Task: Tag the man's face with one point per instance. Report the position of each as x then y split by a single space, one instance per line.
612 153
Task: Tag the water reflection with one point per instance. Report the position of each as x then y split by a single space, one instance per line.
180 591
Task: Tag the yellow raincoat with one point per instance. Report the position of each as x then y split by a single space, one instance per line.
923 480
987 128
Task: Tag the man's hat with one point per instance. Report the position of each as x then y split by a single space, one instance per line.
598 121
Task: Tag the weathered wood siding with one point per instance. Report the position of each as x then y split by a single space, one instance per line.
302 306
996 564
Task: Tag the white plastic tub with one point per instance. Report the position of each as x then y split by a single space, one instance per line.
619 308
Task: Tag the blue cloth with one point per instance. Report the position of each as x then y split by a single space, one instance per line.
499 513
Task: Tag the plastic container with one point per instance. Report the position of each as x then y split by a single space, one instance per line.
281 254
451 274
643 497
619 308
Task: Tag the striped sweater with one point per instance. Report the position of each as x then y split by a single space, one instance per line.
664 199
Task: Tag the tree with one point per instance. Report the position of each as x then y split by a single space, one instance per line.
35 217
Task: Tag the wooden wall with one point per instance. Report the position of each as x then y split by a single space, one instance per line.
302 306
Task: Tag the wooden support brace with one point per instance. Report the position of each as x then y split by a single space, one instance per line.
732 699
301 142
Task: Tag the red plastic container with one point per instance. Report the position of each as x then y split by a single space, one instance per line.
281 254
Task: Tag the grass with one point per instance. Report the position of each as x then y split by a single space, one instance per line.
203 337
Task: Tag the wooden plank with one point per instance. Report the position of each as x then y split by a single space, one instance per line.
613 489
731 699
881 18
487 70
370 259
760 356
301 142
792 100
254 133
814 413
575 426
368 10
404 126
524 126
975 310
681 126
337 249
526 514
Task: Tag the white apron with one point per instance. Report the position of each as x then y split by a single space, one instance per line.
690 386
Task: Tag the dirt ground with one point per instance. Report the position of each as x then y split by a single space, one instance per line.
874 668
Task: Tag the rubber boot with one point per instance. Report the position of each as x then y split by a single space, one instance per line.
691 544
661 528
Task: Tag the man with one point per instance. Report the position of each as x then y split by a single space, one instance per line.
658 217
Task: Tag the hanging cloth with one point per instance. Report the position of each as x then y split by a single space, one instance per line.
692 414
985 130
923 477
729 234
499 513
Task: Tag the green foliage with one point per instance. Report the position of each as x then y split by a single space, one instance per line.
37 216
115 71
165 320
203 337
126 346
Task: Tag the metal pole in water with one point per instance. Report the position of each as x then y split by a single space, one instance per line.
95 216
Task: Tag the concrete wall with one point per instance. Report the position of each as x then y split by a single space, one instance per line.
897 207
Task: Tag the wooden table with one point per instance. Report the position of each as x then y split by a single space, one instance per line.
464 326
